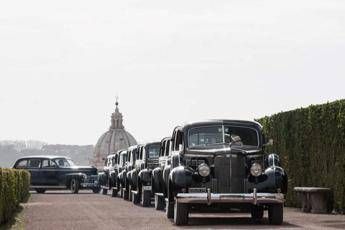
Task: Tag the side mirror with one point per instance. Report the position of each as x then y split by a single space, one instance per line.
269 143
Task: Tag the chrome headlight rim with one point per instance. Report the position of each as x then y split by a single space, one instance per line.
256 170
204 170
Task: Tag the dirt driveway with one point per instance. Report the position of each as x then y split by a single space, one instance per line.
62 210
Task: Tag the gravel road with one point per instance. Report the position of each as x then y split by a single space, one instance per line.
62 210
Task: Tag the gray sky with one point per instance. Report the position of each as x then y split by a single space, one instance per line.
62 63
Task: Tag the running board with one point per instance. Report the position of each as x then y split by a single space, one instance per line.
47 187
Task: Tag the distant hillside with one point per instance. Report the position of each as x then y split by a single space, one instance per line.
10 151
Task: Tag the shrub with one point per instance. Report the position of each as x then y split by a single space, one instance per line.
311 144
14 188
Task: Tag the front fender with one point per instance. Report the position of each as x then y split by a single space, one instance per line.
275 178
181 177
70 176
145 176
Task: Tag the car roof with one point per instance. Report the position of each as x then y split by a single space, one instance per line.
223 121
152 143
43 156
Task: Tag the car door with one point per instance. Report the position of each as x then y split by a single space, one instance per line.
49 172
62 170
34 167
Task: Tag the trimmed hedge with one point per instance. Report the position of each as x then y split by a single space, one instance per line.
311 145
14 188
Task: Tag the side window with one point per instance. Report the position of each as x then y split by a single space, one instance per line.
34 163
144 153
167 148
45 163
178 140
22 164
48 164
161 153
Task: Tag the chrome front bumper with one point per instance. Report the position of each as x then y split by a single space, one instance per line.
245 198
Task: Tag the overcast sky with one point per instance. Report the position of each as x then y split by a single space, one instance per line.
62 63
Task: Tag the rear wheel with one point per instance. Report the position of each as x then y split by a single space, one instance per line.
104 191
40 190
275 214
181 212
75 185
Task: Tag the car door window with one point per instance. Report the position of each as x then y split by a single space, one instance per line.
22 164
34 163
45 164
48 164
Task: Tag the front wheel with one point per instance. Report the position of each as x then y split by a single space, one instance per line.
257 212
169 205
275 214
75 185
146 198
181 212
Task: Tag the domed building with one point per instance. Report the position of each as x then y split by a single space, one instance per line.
116 138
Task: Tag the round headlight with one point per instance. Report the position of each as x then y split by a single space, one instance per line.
204 170
256 169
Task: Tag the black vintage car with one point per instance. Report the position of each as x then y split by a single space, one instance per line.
160 175
58 172
221 165
141 175
109 177
124 175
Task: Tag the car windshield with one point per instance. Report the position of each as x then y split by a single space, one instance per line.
153 151
63 162
204 136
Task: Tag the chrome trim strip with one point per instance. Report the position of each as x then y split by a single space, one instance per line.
250 198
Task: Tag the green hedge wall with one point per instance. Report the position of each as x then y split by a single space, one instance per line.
14 188
311 145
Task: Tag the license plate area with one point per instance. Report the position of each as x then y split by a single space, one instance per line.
145 188
197 190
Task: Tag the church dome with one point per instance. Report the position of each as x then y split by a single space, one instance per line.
115 139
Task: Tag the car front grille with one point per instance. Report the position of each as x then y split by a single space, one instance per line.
229 174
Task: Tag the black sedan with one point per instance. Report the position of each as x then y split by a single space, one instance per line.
58 172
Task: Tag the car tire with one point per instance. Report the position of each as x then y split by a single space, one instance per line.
126 192
96 190
169 204
159 202
130 193
40 190
257 212
181 212
146 198
114 192
275 214
75 185
104 191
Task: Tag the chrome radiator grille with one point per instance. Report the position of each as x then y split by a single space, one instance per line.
229 173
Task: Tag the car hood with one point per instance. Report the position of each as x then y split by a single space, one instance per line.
85 169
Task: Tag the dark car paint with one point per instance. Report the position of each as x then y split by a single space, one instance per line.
56 176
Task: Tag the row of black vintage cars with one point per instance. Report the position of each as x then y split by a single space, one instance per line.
215 166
